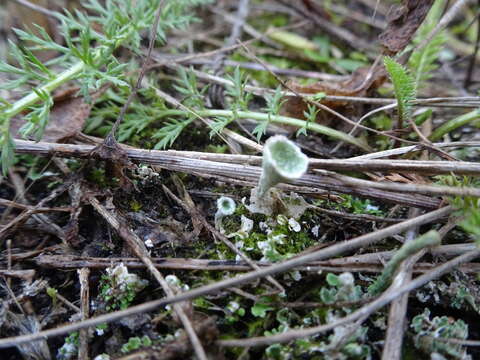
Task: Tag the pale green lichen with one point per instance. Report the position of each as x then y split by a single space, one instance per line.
283 161
119 287
225 207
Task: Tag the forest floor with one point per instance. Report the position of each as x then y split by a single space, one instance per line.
239 179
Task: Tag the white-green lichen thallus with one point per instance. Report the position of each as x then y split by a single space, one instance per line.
283 161
225 206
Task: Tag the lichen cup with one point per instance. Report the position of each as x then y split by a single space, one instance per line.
283 161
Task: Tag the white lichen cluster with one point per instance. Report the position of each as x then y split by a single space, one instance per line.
119 287
102 357
124 280
268 247
67 351
176 283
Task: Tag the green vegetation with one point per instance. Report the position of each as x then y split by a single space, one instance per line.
404 86
201 94
135 343
118 287
93 67
432 238
430 332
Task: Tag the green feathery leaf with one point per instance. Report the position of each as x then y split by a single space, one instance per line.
422 62
169 133
404 87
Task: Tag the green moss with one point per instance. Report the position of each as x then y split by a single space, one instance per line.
266 20
135 206
135 343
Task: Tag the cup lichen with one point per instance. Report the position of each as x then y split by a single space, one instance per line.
225 207
283 161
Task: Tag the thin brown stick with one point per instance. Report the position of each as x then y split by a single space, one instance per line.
338 183
20 196
9 260
456 341
311 182
392 349
357 217
404 188
34 209
83 275
169 60
464 101
27 213
473 59
338 32
287 265
26 275
414 148
143 69
68 303
37 8
368 263
156 157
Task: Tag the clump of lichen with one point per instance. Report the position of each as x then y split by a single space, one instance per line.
429 332
118 287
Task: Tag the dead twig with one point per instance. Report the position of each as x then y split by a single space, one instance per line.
392 348
403 188
215 93
37 8
85 310
312 183
368 263
5 230
26 275
34 209
361 164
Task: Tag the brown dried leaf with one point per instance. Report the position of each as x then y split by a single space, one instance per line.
67 118
360 83
403 21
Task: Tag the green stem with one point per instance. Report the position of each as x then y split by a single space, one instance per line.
278 119
62 78
454 124
431 238
32 98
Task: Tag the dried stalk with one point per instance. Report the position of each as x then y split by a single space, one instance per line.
158 157
172 161
85 310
